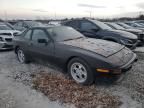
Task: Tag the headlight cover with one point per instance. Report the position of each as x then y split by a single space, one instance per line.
126 41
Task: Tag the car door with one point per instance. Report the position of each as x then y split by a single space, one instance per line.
88 29
41 49
25 41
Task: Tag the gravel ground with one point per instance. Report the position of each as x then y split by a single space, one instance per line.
130 89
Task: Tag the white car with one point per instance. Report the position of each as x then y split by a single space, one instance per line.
6 36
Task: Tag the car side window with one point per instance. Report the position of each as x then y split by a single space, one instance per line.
39 34
87 26
28 34
73 24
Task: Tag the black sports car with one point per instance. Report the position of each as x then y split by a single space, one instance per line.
82 57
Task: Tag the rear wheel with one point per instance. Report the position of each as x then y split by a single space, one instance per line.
21 56
80 71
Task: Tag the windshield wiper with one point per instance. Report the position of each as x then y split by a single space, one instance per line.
68 39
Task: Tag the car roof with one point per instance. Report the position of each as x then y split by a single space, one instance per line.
47 26
88 19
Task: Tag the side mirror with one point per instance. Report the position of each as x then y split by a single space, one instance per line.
16 34
42 41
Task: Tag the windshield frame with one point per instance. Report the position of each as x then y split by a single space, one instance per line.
101 25
116 26
59 29
6 27
125 25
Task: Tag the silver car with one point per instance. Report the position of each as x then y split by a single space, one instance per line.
6 37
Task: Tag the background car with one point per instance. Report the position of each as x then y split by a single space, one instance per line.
23 25
57 23
139 33
135 25
81 57
6 36
96 29
126 26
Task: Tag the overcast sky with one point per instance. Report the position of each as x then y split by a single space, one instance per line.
27 9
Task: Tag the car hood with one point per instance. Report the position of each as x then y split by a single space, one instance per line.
122 33
134 30
101 47
9 31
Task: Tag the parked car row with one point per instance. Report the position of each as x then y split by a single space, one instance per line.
8 31
23 25
123 27
83 48
99 30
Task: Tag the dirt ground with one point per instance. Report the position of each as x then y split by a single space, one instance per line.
16 82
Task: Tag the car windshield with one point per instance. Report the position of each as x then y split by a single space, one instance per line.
116 26
101 25
125 25
64 33
5 27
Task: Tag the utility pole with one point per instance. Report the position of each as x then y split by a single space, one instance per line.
90 13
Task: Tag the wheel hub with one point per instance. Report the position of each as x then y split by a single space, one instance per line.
78 72
21 56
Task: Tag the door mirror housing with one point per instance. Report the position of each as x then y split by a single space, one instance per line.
42 41
17 34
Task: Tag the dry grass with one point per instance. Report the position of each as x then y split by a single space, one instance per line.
58 88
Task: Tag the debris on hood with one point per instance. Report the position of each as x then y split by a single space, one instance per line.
101 47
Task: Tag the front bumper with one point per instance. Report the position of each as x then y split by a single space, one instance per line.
119 70
132 46
6 45
128 65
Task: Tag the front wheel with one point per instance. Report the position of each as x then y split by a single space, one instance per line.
80 71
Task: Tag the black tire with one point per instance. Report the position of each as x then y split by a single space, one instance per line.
26 60
90 75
